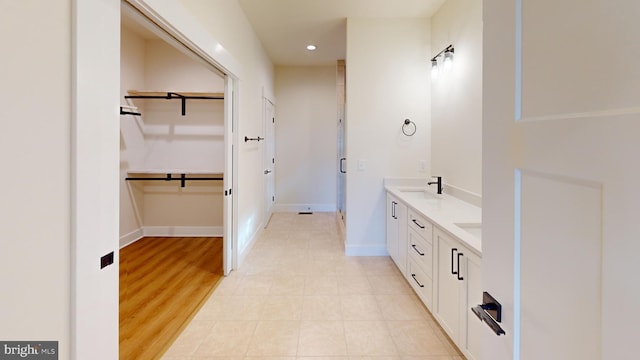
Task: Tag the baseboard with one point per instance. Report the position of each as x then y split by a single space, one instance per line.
130 238
366 250
183 231
304 207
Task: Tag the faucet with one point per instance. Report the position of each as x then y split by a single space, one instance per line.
439 182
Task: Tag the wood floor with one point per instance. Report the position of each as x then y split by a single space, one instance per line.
163 282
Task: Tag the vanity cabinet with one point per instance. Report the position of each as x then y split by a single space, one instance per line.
458 288
442 269
397 232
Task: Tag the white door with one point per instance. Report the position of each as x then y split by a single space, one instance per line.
228 260
269 157
561 137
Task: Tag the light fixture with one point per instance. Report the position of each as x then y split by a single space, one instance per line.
311 47
447 61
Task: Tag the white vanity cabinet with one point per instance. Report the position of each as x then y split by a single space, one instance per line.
397 232
458 288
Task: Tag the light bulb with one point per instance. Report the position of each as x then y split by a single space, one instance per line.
448 59
434 69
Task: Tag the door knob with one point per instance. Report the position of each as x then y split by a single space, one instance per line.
267 172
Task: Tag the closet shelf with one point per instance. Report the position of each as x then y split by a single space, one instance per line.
182 96
152 175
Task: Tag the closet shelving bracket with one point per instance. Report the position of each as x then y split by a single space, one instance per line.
182 96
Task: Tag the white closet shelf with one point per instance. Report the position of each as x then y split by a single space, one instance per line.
171 95
187 94
174 171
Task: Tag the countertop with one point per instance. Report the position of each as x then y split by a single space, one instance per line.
444 211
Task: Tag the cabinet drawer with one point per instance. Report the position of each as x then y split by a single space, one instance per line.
421 251
420 225
420 282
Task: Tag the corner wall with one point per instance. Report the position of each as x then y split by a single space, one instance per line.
387 81
306 138
227 23
456 97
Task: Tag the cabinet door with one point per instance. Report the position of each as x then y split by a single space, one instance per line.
392 227
471 296
447 304
403 234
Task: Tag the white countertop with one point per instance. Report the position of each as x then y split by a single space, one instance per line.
444 211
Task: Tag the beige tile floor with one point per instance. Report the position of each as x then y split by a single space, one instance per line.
298 296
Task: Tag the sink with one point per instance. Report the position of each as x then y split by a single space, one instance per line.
474 229
420 194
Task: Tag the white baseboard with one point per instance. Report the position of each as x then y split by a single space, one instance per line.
183 231
130 238
366 250
304 207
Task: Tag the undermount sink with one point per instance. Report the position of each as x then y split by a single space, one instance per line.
474 229
420 194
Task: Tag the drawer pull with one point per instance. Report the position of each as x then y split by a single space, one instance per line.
416 280
458 272
416 249
417 223
453 272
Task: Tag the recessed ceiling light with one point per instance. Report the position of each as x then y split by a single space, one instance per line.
311 47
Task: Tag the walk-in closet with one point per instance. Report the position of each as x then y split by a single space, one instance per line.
172 161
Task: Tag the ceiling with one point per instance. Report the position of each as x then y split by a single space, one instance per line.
286 27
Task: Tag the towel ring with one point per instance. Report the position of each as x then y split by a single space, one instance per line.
407 125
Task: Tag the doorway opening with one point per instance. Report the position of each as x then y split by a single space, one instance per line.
176 176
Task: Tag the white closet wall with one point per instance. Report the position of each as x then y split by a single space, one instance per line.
162 139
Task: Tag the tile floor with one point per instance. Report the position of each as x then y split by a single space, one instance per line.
297 295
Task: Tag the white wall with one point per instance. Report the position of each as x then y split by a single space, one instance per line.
35 147
132 147
306 138
387 81
161 138
456 96
226 22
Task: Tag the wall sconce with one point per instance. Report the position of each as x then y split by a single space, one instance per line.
447 61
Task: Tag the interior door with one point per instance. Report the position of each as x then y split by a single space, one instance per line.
269 157
228 260
561 133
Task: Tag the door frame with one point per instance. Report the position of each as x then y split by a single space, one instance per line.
269 143
90 19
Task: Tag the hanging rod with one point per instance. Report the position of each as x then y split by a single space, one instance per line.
127 112
253 139
172 95
183 179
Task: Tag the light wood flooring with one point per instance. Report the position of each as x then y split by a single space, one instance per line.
163 283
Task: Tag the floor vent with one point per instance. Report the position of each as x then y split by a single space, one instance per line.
305 213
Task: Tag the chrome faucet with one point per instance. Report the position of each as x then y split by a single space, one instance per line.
439 182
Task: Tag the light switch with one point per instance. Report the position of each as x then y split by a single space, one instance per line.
422 165
362 165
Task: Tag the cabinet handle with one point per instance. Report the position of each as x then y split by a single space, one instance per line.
453 250
393 209
342 170
417 223
416 280
459 277
416 249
